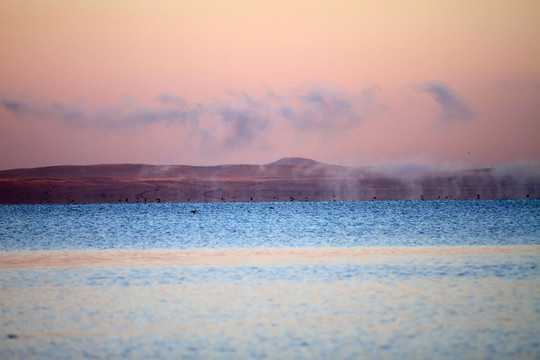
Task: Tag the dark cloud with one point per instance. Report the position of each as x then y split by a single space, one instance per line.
453 108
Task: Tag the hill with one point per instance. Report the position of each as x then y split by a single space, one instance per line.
283 180
296 161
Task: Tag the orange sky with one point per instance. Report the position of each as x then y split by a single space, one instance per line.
209 82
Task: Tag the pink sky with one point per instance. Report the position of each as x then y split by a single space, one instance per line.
448 83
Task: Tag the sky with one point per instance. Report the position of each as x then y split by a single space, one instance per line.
445 83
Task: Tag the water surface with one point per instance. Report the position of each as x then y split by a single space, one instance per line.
281 224
343 280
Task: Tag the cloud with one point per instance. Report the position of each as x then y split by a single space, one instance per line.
453 108
242 117
368 102
320 109
22 106
126 113
167 98
233 122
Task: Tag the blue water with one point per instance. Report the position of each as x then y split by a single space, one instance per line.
407 304
259 225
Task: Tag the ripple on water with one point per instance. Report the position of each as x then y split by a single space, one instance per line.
256 225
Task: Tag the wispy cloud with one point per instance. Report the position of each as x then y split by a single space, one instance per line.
242 118
22 106
126 113
235 121
320 109
453 107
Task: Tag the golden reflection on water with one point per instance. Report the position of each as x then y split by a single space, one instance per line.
244 257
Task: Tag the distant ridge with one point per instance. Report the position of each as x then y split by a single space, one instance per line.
297 161
288 179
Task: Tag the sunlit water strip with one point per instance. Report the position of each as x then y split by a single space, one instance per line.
244 257
317 303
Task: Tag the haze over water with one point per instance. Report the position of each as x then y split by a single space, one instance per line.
341 280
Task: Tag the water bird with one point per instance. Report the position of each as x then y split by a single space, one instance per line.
193 211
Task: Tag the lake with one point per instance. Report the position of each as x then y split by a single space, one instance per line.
293 280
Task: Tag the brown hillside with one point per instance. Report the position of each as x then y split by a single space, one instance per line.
284 180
